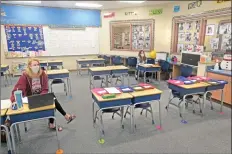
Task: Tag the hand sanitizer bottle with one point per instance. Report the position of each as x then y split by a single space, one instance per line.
216 67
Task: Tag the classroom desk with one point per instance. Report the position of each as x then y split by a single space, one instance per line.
60 74
186 90
148 68
89 63
26 115
109 71
6 72
55 63
146 96
3 118
121 100
43 63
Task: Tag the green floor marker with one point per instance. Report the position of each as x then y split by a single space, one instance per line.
101 141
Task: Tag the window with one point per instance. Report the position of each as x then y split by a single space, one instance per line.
132 35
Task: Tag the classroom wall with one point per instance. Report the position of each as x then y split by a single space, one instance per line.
163 29
163 23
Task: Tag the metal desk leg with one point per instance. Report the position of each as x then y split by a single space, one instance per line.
160 126
138 78
122 113
132 118
25 126
182 107
107 80
222 100
69 86
203 104
9 77
93 113
102 133
12 130
144 76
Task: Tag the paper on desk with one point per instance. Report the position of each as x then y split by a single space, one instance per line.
5 104
112 90
126 89
25 100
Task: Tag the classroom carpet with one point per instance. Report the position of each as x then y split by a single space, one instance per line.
208 134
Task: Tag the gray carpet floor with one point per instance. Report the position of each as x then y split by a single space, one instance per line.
208 134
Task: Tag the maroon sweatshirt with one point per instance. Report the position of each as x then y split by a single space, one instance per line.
25 84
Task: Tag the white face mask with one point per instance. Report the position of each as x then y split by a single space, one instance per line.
35 69
142 55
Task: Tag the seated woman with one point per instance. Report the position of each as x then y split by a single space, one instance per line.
35 81
142 60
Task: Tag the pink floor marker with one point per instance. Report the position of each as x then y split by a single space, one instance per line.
158 127
221 113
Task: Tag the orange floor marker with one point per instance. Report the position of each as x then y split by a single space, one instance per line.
59 151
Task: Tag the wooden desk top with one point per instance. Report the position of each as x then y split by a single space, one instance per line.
99 69
4 66
148 66
146 92
196 85
50 72
117 67
3 112
27 110
90 59
43 61
118 97
54 61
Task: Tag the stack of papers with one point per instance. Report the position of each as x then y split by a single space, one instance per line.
5 104
112 90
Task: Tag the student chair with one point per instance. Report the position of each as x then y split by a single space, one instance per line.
107 60
58 81
150 61
165 68
144 106
186 71
117 60
95 78
132 62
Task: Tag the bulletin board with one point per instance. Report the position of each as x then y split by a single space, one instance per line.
24 38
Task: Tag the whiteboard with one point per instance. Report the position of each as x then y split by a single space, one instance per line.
59 42
62 42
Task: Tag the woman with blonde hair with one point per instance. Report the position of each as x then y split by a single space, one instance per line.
34 81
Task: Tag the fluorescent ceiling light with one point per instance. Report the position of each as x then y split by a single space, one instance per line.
34 2
88 5
135 2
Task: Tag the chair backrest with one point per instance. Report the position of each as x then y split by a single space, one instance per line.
54 67
116 60
100 56
132 61
150 61
107 59
186 70
164 65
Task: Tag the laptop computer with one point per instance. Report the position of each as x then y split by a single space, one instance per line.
37 101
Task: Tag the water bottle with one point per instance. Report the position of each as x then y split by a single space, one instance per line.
18 99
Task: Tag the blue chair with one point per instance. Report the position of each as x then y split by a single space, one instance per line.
107 60
58 81
98 77
165 67
132 62
186 71
150 61
117 60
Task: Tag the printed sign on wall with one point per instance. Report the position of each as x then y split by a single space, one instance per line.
109 15
155 11
195 4
130 13
176 8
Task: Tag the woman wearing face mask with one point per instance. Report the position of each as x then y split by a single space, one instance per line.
34 81
141 60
